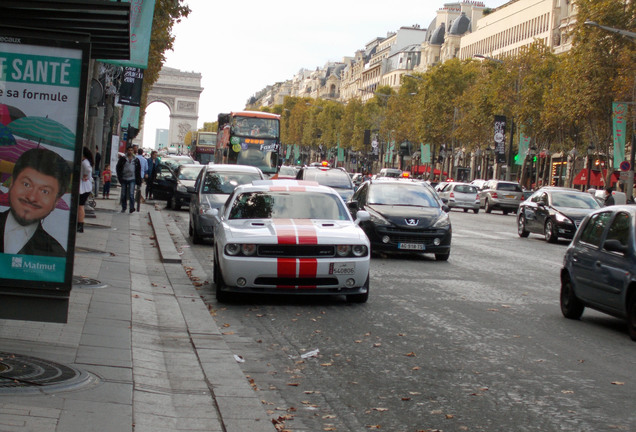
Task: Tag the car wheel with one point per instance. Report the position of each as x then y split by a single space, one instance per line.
521 226
196 238
549 232
476 210
487 206
631 316
571 306
359 298
505 212
175 203
442 256
221 296
465 210
169 203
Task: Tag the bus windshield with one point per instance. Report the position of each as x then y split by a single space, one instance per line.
255 127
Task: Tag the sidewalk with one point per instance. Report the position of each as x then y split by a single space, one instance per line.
150 356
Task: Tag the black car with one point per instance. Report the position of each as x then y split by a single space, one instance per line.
599 266
175 185
336 178
554 212
406 217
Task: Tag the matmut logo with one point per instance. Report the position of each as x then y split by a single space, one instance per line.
412 222
16 262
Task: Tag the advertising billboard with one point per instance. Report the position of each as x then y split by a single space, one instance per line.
42 103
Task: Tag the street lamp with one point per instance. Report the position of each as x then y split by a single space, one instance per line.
628 34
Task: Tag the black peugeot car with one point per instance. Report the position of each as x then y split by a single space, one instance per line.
554 212
406 217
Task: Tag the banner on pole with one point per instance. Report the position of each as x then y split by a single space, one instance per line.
524 144
500 138
619 111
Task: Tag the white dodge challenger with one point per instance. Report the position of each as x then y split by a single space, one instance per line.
289 237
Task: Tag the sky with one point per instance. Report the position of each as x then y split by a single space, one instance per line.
250 44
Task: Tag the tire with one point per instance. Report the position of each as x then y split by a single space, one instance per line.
175 203
221 296
442 256
465 210
549 232
359 298
571 306
476 210
169 202
521 226
505 212
196 238
488 206
631 316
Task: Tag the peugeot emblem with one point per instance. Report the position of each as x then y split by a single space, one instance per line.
412 222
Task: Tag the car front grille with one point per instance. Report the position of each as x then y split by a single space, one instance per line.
293 282
296 251
411 236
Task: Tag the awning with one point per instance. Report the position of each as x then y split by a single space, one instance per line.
106 22
422 169
597 179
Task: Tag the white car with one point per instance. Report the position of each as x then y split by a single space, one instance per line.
289 237
460 195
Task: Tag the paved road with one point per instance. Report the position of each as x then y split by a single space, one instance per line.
474 344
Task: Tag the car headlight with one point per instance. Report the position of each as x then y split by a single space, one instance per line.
359 250
562 218
232 249
343 250
377 219
442 222
182 188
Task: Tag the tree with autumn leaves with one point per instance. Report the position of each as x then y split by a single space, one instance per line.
563 102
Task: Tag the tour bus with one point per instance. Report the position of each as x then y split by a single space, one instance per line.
249 138
203 147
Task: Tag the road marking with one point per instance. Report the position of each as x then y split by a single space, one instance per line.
483 235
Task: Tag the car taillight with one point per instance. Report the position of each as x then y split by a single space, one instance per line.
452 195
494 195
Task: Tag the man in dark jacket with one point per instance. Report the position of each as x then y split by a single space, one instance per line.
609 198
129 175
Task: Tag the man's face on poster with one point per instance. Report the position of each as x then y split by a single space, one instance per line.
32 196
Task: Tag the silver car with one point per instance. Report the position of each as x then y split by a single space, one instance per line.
212 188
461 196
500 195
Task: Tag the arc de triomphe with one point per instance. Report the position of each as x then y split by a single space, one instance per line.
180 92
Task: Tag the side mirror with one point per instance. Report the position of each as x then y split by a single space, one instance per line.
362 216
353 206
214 212
445 208
445 200
615 246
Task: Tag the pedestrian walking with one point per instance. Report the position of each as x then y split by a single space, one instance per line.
153 163
609 198
106 178
129 174
86 186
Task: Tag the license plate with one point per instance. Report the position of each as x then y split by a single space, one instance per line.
342 268
411 246
510 196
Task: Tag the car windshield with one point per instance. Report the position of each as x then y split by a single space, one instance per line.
288 205
574 200
223 182
189 173
397 194
333 177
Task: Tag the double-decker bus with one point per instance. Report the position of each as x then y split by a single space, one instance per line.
204 146
249 138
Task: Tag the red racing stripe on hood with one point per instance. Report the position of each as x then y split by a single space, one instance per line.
306 232
285 231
